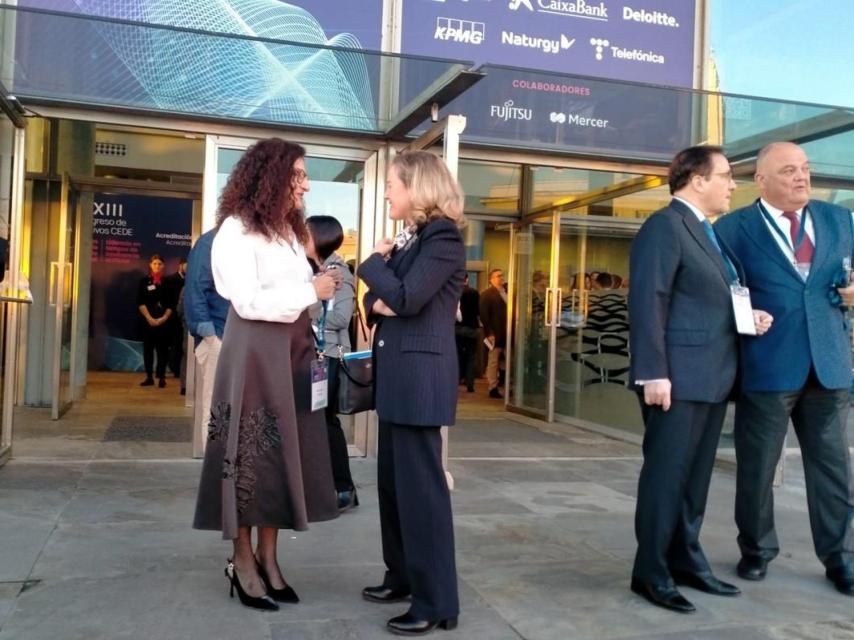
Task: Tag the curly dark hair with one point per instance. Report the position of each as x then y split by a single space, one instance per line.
259 191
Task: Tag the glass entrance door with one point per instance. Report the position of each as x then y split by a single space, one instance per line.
536 306
61 292
343 185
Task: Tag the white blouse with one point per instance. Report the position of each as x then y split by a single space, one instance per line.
264 280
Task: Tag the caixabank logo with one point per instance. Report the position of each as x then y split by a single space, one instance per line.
568 8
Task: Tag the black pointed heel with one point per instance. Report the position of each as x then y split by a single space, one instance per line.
449 624
287 594
265 602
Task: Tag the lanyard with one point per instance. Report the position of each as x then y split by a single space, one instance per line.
779 231
320 336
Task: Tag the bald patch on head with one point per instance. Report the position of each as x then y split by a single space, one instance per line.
768 149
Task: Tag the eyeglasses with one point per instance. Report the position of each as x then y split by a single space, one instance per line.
299 176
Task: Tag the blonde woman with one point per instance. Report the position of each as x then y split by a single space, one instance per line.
415 283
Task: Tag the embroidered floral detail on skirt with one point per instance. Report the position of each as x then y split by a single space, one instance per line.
218 423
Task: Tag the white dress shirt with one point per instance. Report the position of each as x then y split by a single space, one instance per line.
263 280
785 226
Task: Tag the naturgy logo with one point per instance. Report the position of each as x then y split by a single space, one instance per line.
546 45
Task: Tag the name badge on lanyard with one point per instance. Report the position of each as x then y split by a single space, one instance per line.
151 287
319 384
742 310
320 367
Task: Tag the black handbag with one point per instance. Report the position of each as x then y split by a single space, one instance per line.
355 383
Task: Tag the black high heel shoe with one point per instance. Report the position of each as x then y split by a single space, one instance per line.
265 602
287 594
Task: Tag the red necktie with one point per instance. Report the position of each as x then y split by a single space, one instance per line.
803 253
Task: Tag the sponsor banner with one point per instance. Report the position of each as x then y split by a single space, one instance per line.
127 231
650 41
548 111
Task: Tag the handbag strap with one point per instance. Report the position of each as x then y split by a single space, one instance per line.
349 374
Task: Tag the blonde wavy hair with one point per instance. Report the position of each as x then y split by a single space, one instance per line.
433 191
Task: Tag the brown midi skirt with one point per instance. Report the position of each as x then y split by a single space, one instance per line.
267 458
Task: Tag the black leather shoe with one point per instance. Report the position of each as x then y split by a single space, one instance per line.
843 579
148 382
495 393
265 602
663 596
752 568
383 594
409 625
706 582
285 594
161 383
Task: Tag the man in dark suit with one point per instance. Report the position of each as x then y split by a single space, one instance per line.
466 331
793 250
684 350
493 317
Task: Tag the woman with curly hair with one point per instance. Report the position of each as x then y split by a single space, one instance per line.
267 459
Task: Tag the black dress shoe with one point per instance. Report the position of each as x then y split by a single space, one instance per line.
383 594
161 383
148 382
706 582
409 625
752 568
285 594
663 596
348 499
843 579
495 393
265 602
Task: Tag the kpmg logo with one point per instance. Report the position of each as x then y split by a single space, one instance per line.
546 45
463 31
603 47
507 112
569 8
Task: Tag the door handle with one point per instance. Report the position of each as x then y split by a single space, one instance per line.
547 315
558 306
51 287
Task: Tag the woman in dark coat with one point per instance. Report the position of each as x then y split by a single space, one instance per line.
267 457
415 284
154 302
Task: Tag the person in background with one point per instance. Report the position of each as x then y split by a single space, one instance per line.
205 313
493 317
175 326
415 285
155 306
267 461
325 236
466 331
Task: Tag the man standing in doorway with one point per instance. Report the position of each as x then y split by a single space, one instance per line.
493 317
797 257
466 331
684 348
175 287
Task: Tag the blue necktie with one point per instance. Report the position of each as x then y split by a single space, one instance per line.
713 238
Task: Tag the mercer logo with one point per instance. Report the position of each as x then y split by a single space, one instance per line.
454 30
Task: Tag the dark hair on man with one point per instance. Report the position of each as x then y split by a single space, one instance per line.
689 162
155 256
327 233
605 280
494 271
260 188
182 261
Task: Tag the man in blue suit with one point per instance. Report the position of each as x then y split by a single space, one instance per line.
684 348
793 250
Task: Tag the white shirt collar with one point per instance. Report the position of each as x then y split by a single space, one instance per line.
694 209
775 212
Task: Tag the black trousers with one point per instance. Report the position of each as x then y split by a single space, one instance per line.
819 417
679 447
415 518
177 339
337 441
466 338
155 339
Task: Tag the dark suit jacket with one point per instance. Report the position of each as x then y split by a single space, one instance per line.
807 329
416 372
493 315
681 323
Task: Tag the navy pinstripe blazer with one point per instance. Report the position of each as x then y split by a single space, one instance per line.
416 371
